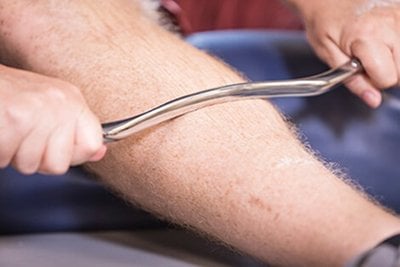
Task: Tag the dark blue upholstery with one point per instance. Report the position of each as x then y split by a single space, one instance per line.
71 202
364 142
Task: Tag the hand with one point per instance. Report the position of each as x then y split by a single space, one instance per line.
367 30
45 124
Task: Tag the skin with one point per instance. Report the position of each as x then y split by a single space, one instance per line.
365 29
234 171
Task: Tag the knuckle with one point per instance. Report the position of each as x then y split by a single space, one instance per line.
55 94
64 99
62 91
357 44
17 115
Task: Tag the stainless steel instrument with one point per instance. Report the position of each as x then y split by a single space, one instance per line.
303 87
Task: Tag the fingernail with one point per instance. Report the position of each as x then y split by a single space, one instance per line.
372 98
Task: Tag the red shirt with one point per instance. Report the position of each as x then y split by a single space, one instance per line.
205 15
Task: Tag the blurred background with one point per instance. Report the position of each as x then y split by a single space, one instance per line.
205 15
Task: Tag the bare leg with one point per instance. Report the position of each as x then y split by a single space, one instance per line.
234 171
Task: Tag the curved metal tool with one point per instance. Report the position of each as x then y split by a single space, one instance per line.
309 86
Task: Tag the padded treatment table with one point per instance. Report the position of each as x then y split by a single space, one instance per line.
153 248
44 220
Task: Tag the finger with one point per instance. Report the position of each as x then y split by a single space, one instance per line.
88 139
57 157
30 152
10 139
360 85
13 130
9 143
378 62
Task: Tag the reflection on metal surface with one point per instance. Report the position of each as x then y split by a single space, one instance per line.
309 86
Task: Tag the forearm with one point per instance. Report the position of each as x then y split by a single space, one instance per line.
234 171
